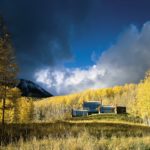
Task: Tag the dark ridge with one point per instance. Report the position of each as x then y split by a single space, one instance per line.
30 89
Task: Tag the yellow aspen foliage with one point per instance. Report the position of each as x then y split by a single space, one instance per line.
12 95
23 110
117 90
9 113
143 98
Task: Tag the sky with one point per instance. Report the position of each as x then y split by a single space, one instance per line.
67 46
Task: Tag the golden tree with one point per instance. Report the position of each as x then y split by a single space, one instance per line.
8 67
143 99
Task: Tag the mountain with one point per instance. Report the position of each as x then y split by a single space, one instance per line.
30 89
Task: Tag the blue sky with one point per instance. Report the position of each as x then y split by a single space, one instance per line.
105 22
63 40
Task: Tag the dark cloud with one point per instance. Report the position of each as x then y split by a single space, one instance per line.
41 30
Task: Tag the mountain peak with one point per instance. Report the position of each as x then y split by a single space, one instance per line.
31 89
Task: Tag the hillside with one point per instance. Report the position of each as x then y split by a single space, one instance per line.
135 97
110 118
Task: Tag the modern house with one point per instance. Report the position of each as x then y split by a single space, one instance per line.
92 107
96 107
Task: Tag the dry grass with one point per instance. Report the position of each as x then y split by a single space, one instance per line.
89 133
61 129
83 141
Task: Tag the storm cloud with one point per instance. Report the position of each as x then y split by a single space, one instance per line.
41 30
48 33
126 61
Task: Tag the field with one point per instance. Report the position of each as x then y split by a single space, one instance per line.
92 132
83 142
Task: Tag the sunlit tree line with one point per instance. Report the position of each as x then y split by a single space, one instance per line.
19 110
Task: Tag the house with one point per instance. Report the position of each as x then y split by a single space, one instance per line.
92 107
96 107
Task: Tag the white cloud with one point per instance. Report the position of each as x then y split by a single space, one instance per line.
70 80
124 62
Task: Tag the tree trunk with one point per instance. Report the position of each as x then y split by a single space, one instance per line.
3 117
3 112
3 109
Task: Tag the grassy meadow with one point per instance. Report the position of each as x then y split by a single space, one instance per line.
83 141
92 132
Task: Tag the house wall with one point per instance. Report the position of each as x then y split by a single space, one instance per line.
120 110
92 107
107 109
77 113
